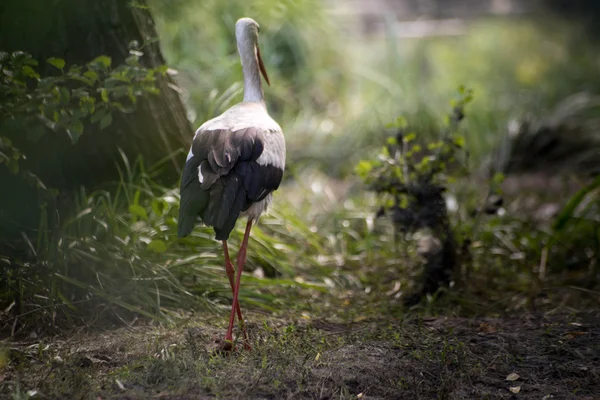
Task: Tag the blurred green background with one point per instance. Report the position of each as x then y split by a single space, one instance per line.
335 84
340 72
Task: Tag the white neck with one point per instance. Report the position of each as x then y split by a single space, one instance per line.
253 91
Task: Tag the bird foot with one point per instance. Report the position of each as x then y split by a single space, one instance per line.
221 346
226 347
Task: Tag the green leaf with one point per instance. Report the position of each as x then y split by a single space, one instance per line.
410 137
28 71
91 75
498 178
106 121
162 69
104 95
157 246
74 70
75 130
139 211
132 60
153 90
568 212
459 141
401 122
81 79
158 207
363 168
103 60
56 62
65 94
98 115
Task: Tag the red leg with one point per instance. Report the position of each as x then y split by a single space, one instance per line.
236 305
241 261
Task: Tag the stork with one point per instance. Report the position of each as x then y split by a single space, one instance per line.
234 164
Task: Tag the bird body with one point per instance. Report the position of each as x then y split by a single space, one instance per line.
234 164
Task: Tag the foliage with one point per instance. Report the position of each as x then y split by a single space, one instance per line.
577 226
68 101
565 140
406 170
473 243
410 180
119 253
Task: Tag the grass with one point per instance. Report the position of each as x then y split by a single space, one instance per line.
120 249
321 248
374 358
327 322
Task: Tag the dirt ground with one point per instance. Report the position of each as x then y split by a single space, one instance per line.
522 357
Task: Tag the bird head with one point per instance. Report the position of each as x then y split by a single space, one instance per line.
246 33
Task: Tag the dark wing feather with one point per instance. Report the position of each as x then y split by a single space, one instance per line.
192 198
232 179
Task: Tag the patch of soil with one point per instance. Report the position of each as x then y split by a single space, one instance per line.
525 357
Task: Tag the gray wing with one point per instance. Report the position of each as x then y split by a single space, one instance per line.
223 178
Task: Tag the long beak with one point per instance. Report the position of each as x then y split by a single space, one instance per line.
262 66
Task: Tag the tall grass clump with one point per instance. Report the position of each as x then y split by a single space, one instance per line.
118 255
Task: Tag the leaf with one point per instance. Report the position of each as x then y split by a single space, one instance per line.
139 211
459 141
81 79
363 168
91 75
513 376
132 60
515 389
28 71
104 95
74 70
498 178
103 60
65 94
574 334
106 121
157 246
401 122
410 137
569 210
98 115
56 62
162 69
75 130
158 207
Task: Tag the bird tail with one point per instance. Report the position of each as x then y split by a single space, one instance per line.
185 225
